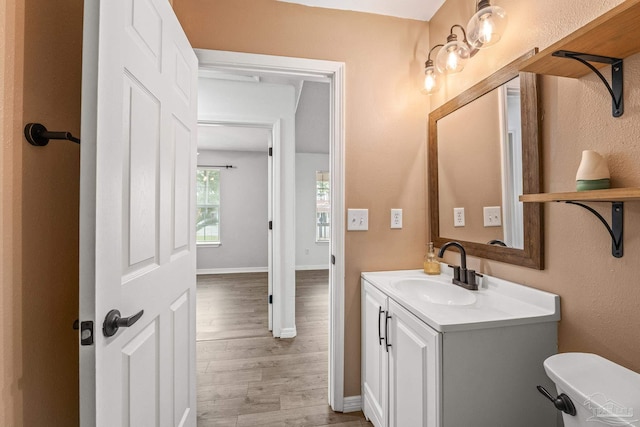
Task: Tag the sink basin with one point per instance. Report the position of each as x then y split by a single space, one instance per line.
435 292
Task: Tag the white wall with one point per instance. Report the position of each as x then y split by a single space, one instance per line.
243 213
318 256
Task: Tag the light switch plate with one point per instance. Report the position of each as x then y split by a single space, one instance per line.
458 217
396 218
357 219
492 216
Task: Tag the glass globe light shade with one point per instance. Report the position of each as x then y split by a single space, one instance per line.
486 27
452 57
431 79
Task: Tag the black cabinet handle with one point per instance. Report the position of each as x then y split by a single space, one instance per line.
386 330
380 332
113 321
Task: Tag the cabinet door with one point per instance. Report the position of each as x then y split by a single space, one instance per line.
414 371
374 355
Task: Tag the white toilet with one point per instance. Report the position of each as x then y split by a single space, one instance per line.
603 393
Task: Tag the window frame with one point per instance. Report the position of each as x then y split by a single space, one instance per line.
327 209
219 241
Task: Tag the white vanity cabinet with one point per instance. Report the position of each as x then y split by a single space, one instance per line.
480 374
400 368
374 354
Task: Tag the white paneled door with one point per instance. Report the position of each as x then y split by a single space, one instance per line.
137 237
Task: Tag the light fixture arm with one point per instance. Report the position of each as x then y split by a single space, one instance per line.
429 62
452 36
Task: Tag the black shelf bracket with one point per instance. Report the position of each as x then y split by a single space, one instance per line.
615 88
617 222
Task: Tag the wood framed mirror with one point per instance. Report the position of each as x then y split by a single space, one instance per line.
484 152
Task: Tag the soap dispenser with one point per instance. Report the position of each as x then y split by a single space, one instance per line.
431 264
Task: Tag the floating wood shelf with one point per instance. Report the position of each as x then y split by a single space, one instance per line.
615 196
609 195
614 34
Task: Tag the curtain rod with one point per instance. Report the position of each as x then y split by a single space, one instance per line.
223 166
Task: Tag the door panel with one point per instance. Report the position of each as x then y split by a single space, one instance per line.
414 371
137 215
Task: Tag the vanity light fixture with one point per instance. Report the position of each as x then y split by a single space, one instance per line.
431 77
485 28
454 54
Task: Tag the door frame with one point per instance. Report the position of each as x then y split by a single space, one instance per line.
274 271
333 73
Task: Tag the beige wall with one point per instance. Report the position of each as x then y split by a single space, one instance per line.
40 78
385 119
599 293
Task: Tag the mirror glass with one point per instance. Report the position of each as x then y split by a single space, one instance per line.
483 140
484 152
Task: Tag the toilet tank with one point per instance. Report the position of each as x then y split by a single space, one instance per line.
603 392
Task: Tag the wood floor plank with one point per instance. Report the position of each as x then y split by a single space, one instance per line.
248 378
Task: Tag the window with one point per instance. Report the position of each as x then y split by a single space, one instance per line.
208 205
323 206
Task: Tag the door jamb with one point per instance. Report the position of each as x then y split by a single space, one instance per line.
334 73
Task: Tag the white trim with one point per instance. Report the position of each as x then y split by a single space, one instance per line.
288 333
325 71
232 270
352 404
312 267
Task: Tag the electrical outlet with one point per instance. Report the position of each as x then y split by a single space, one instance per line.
396 218
458 217
492 216
357 219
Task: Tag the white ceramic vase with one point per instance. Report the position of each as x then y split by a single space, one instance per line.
593 172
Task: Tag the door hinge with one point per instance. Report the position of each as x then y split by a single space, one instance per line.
270 151
270 225
333 259
86 331
270 299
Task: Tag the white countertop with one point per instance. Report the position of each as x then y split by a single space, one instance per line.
498 302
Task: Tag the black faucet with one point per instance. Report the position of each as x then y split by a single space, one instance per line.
461 275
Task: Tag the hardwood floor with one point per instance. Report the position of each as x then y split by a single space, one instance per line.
248 378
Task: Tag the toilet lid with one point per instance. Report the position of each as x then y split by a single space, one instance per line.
610 391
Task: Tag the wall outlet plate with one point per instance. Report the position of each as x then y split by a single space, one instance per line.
492 216
458 217
396 218
357 219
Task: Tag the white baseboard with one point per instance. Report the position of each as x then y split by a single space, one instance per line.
352 404
201 271
288 332
312 267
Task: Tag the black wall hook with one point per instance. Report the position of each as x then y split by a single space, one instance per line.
39 136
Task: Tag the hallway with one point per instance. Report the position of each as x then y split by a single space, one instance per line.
248 378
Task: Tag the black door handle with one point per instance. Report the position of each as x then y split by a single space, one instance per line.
114 321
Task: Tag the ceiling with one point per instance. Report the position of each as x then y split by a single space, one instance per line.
421 10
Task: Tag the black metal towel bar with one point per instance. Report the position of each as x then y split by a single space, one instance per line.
39 136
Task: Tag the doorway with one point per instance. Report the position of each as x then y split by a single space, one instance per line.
332 73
